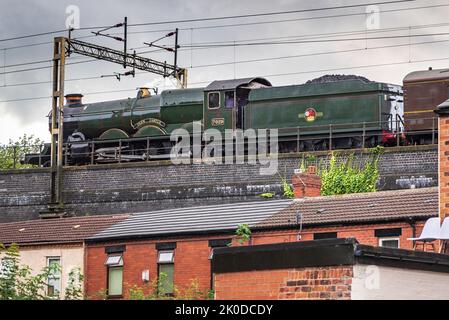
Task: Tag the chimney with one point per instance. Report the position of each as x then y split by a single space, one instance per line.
74 100
443 158
306 184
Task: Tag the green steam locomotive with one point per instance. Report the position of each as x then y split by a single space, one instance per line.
335 112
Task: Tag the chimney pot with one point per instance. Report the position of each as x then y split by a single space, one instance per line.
311 170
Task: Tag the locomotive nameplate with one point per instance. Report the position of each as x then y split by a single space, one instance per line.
217 122
148 121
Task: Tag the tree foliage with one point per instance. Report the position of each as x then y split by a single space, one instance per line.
243 233
73 290
287 188
14 151
343 177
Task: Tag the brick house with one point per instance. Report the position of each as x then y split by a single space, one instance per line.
180 243
61 241
339 269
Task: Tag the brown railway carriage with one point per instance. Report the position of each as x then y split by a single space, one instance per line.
423 92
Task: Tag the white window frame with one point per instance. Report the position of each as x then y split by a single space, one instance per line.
219 100
109 263
172 260
382 239
58 278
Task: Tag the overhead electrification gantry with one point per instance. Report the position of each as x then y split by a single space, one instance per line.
64 47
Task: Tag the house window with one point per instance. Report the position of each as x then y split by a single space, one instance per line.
324 235
166 269
229 99
214 100
218 243
389 242
54 280
114 263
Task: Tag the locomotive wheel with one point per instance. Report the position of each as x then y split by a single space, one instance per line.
154 148
301 146
160 148
357 143
371 142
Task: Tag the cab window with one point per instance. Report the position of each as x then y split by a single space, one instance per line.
214 100
229 99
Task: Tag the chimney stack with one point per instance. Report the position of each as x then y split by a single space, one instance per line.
443 154
306 184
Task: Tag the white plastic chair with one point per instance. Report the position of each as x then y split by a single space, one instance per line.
444 235
430 233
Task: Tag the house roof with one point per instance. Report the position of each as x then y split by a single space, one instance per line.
359 208
194 220
344 209
53 231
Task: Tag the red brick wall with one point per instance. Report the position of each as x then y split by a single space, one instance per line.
363 233
443 153
285 284
192 254
191 264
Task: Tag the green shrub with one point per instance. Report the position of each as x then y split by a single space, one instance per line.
343 177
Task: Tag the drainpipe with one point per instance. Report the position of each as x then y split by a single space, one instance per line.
299 222
412 223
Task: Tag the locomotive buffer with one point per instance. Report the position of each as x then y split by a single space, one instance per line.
63 47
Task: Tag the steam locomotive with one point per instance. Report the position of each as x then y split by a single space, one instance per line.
337 112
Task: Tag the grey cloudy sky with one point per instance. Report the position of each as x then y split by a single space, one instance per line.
27 17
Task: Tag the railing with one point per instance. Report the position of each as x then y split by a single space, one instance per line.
99 151
12 156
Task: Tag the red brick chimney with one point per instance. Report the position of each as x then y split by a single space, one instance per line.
443 158
306 184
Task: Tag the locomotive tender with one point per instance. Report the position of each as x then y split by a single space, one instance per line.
347 112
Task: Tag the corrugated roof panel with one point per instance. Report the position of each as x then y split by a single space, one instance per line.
207 218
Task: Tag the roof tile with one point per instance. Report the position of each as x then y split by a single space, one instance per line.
61 230
359 207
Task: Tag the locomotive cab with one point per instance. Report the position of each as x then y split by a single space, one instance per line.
224 102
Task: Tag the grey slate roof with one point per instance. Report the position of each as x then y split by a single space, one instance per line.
196 219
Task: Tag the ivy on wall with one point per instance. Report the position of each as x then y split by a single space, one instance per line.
343 177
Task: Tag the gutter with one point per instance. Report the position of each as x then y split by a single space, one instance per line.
255 228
